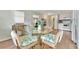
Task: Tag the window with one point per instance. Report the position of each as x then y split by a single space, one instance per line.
19 17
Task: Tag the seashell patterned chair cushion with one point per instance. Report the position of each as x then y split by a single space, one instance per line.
26 40
49 38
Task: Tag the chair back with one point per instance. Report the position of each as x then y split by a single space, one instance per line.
59 36
15 38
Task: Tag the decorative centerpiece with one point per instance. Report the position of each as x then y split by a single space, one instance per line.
40 24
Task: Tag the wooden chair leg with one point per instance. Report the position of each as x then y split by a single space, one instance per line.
54 47
18 47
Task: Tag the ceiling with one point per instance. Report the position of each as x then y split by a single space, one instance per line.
50 11
41 12
54 11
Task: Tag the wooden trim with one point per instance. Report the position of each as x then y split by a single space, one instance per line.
4 39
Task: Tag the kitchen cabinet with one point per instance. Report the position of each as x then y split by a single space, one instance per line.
65 25
64 22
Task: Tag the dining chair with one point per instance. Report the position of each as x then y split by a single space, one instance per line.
25 41
28 40
52 42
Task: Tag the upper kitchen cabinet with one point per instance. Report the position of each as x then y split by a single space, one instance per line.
65 16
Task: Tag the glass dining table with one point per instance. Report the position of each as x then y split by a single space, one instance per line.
43 32
38 34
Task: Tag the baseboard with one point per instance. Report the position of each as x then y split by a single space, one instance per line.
4 39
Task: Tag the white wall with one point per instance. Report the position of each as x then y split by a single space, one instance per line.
76 16
75 27
6 20
78 29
